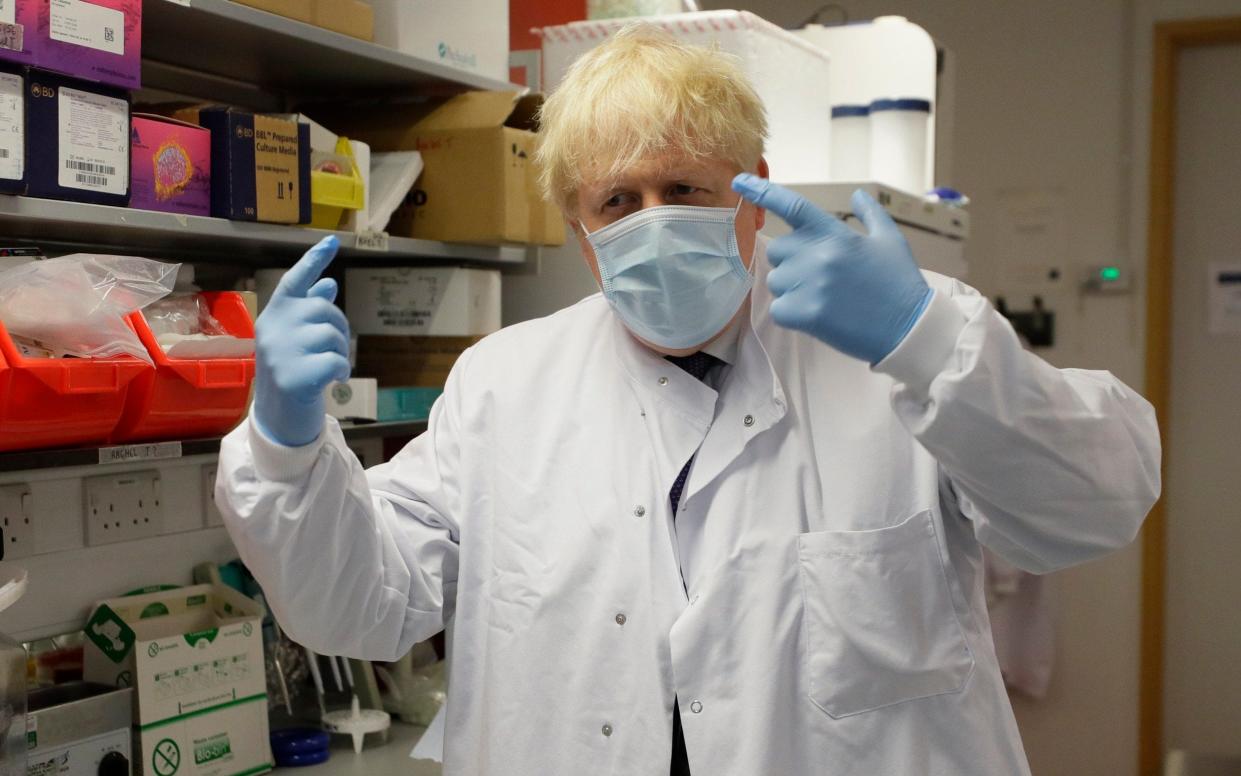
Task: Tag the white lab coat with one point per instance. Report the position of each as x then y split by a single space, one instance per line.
834 619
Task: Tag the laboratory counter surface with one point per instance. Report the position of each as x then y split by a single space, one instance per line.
390 758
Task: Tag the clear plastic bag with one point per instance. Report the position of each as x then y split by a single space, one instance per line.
76 305
184 314
185 328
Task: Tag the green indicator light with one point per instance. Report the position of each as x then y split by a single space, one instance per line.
1110 273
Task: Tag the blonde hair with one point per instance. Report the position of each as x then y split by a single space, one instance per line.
641 95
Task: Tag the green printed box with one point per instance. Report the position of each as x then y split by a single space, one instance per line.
194 656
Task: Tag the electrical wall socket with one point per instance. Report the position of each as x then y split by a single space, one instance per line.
211 513
122 507
16 528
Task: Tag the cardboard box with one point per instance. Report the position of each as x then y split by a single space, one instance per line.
397 362
479 183
799 107
422 301
18 22
194 656
95 40
301 10
260 165
348 17
83 153
12 130
470 35
171 165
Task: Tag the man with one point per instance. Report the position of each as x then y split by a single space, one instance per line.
725 517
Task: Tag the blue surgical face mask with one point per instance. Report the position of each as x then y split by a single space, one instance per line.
673 273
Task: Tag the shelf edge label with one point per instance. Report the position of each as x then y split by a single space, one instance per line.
146 452
372 240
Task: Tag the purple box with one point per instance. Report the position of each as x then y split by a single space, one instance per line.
17 30
95 40
171 165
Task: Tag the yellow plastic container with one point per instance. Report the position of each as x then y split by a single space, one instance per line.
332 194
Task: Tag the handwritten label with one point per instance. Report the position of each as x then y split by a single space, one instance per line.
371 240
148 452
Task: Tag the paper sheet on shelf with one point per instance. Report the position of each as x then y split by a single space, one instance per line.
431 745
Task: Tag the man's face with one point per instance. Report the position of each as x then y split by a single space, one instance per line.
666 181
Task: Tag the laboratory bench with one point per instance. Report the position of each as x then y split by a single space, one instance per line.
391 758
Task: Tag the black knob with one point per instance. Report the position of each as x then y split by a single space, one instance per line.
114 764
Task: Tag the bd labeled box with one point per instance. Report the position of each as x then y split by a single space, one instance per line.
260 165
12 130
83 149
171 165
95 40
194 656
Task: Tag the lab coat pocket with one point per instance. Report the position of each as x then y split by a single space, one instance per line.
880 627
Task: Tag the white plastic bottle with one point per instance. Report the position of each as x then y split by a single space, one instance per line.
898 143
850 143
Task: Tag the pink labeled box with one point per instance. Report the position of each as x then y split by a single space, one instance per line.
96 40
171 166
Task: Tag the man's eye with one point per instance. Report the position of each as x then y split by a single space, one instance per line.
615 201
683 190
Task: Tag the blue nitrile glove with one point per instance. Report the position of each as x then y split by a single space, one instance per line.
859 293
302 346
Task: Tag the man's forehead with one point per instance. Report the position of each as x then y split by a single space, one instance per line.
659 168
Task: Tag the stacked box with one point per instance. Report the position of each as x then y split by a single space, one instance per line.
260 165
12 130
83 153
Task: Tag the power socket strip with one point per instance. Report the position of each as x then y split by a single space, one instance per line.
16 528
122 507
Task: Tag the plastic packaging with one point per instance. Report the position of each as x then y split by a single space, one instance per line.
76 305
185 328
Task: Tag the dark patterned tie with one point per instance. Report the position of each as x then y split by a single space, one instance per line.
697 364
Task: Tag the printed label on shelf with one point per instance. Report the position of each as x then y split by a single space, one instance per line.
149 452
94 142
372 240
11 37
85 24
8 11
12 127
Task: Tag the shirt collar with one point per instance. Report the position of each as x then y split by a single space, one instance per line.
724 347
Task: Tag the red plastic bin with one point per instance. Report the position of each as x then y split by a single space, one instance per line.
187 398
59 402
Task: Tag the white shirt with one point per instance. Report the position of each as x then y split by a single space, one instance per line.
833 620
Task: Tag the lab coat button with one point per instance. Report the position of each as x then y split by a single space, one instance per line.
696 707
607 729
663 381
748 420
620 618
639 511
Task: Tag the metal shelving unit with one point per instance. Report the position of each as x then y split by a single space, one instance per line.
243 44
80 227
32 460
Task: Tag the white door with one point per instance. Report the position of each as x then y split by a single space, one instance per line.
1202 701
